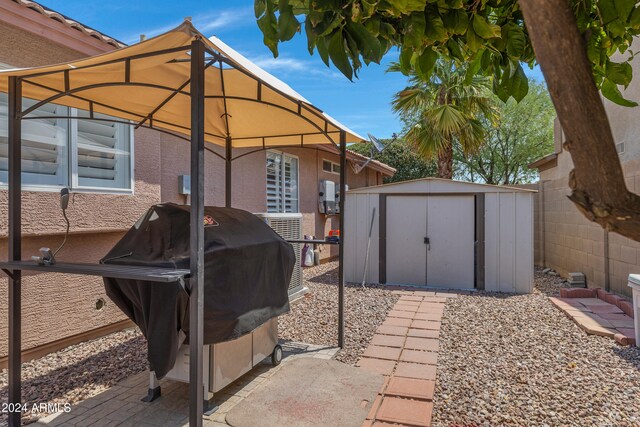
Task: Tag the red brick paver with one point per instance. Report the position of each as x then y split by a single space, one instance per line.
405 314
405 348
603 315
392 330
427 344
396 321
388 340
379 366
424 333
418 356
415 370
411 388
425 324
405 411
379 352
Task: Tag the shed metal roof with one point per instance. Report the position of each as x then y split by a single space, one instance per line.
439 185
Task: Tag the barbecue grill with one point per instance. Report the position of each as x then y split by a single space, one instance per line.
247 270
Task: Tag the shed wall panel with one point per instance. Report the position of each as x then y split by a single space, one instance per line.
358 212
506 243
491 239
524 242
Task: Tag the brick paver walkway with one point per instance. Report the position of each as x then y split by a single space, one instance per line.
405 350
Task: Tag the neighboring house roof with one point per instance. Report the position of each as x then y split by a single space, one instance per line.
359 159
373 164
68 22
546 162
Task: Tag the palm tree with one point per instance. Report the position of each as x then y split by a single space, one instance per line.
442 111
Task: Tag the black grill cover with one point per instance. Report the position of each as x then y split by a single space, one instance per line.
247 269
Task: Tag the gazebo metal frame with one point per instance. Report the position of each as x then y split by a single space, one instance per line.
202 56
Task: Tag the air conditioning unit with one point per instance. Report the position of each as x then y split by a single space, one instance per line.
289 227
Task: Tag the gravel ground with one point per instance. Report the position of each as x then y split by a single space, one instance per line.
84 370
78 372
517 360
314 318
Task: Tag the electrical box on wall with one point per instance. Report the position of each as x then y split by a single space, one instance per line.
184 184
327 197
346 187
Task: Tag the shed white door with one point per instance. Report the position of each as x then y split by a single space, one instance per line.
406 230
450 229
448 259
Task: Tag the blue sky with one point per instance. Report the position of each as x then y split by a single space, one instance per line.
363 105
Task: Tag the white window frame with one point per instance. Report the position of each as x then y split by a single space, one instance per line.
128 131
282 154
334 165
70 163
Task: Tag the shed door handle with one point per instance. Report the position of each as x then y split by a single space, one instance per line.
428 243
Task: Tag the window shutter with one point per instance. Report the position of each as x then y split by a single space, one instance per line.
290 184
44 141
274 182
282 183
102 152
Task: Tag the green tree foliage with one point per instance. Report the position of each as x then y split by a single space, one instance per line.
444 110
522 133
408 164
488 34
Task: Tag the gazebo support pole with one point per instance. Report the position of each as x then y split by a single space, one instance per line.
227 171
196 391
343 173
15 247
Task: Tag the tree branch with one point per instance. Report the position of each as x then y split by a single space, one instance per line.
597 182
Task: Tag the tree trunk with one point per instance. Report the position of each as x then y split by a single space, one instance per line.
597 183
445 162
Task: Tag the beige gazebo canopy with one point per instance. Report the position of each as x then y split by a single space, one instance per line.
195 88
149 83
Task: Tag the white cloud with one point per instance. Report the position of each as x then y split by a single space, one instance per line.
284 66
217 20
206 22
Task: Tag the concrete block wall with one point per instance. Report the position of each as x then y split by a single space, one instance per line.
568 242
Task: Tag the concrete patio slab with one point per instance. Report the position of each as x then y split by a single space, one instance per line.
120 405
296 395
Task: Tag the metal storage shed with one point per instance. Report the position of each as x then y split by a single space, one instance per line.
441 233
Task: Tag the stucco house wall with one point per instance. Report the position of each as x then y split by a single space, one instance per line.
61 309
567 241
